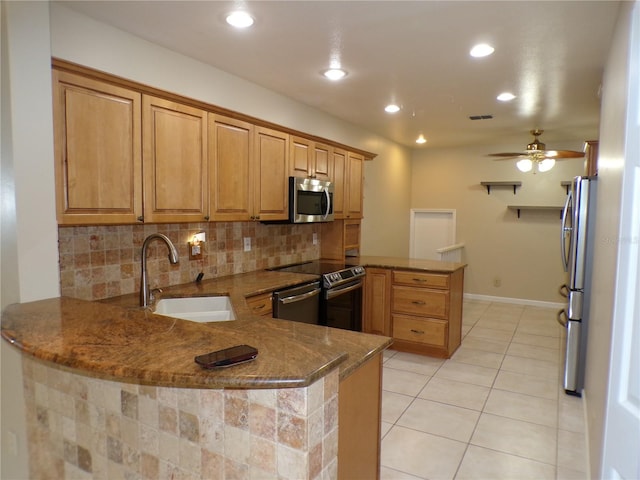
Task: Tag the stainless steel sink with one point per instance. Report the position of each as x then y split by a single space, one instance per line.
197 309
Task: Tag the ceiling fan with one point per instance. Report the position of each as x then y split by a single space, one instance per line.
537 155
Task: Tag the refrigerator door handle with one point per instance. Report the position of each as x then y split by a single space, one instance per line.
564 291
562 317
564 231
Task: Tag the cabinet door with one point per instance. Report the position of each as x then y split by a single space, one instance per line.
270 170
339 179
353 194
97 136
322 162
301 157
377 301
174 162
230 172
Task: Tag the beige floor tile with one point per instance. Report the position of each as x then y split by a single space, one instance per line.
465 330
482 463
454 393
465 354
547 328
486 344
393 405
527 384
387 354
568 474
533 351
439 419
421 454
570 413
530 366
401 381
412 362
523 407
536 442
507 324
462 372
538 340
391 474
490 333
384 428
572 451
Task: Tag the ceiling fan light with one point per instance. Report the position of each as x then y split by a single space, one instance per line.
546 164
240 19
524 165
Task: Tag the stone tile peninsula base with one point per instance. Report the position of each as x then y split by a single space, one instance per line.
84 427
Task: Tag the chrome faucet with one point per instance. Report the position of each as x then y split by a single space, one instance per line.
145 291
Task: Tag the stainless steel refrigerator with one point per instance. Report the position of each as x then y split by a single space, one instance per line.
576 245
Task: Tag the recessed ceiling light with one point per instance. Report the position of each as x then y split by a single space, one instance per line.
421 139
506 97
334 73
481 50
239 19
392 108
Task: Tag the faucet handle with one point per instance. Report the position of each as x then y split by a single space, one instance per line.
152 294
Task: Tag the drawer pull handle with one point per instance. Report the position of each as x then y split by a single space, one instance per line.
260 307
419 332
418 302
419 280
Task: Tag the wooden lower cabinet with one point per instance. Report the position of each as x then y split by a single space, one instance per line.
377 301
261 304
420 310
359 407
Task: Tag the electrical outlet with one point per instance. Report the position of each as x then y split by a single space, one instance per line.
247 244
497 281
315 238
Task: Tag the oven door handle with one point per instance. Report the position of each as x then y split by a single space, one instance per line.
334 292
299 298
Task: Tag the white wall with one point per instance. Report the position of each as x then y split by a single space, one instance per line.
523 253
611 164
29 233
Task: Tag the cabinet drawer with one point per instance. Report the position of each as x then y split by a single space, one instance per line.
419 279
420 301
260 304
421 330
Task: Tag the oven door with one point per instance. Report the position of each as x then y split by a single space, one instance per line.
341 306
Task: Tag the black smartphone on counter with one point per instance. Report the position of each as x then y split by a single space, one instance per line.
227 357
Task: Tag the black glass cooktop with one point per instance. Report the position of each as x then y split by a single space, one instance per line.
316 267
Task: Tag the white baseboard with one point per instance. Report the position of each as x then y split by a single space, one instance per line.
519 301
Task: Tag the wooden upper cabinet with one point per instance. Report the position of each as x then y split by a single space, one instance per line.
270 173
97 136
353 191
339 170
175 162
231 172
310 159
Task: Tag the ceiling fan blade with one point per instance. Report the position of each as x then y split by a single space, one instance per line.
559 154
508 154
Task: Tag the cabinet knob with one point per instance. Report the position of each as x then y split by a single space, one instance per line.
140 218
206 218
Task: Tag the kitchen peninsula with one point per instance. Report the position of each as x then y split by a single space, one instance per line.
112 389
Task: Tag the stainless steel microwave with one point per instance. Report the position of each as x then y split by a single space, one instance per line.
310 200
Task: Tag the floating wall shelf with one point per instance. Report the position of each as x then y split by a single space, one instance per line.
501 184
535 207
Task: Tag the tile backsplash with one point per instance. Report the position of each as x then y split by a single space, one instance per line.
104 261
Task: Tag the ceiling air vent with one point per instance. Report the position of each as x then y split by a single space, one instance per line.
480 117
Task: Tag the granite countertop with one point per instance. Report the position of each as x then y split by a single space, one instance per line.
116 339
406 263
